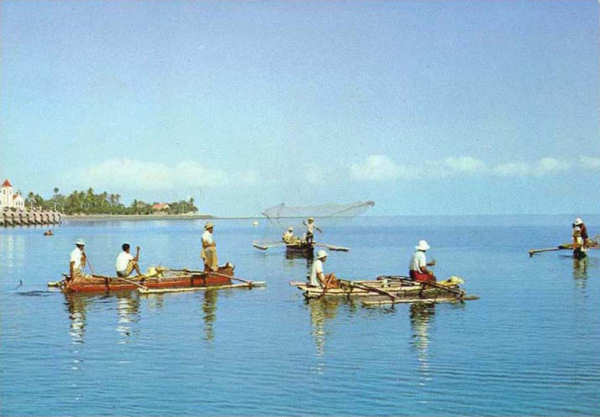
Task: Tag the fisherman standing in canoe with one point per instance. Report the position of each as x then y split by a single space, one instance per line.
418 264
77 260
209 249
310 227
126 262
317 278
579 243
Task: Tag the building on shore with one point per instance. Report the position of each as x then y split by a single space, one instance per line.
13 212
9 198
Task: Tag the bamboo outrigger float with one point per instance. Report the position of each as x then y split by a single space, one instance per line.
164 280
593 244
390 290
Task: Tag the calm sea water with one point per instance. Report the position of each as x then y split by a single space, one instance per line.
530 345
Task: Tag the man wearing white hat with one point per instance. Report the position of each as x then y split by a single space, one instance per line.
77 260
209 249
310 229
418 264
288 237
316 277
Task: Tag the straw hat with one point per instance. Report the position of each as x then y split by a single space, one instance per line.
423 245
80 242
321 254
578 221
290 229
311 219
209 225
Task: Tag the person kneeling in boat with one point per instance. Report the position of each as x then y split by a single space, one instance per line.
126 262
317 278
209 249
77 261
418 264
288 237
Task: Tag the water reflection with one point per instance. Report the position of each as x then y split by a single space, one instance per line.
580 271
128 306
321 310
209 307
128 309
12 250
77 307
421 317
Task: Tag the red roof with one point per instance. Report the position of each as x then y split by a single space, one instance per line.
6 183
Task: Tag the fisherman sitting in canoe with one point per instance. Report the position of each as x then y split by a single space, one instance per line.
126 262
418 264
209 249
77 261
317 278
310 227
288 237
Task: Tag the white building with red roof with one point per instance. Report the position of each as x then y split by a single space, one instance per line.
8 198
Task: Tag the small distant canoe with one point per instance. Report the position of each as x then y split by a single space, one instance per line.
593 244
300 249
388 291
166 281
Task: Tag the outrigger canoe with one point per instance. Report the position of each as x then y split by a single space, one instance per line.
593 244
164 280
390 290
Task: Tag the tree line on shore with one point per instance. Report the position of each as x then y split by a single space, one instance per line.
88 202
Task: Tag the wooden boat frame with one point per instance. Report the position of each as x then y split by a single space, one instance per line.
177 281
387 291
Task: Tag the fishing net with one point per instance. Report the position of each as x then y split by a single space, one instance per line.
281 217
319 211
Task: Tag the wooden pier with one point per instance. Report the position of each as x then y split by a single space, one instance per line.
9 217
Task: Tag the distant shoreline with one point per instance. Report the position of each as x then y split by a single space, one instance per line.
87 217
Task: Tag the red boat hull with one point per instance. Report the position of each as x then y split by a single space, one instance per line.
95 283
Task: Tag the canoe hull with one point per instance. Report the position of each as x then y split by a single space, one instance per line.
300 250
99 284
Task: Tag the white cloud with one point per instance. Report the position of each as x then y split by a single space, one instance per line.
381 168
512 169
590 162
135 174
545 166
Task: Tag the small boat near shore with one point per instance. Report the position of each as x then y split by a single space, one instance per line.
390 290
159 281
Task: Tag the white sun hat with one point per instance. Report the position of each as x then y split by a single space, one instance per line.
321 254
80 242
290 229
578 221
423 245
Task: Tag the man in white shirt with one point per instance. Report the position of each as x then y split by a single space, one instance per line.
310 227
418 264
209 249
126 262
77 260
317 278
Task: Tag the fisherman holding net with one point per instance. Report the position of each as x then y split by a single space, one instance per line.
310 227
209 249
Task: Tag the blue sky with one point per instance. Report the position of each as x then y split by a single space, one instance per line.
425 107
